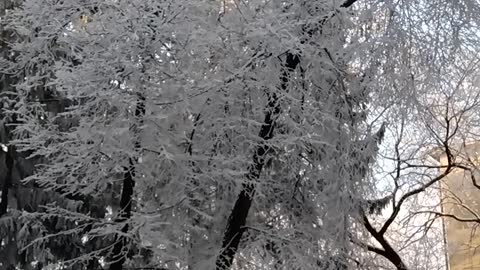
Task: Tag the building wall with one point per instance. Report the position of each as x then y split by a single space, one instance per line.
462 199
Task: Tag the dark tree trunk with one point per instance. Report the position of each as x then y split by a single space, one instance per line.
9 162
238 216
119 253
387 252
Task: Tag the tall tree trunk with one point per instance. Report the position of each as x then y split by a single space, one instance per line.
5 85
238 216
118 254
387 252
9 162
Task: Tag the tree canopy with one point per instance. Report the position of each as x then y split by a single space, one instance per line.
181 134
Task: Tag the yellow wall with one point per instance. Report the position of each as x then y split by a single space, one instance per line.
461 198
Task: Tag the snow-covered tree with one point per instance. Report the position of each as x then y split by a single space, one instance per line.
229 134
181 116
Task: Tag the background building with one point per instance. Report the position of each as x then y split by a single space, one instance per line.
461 202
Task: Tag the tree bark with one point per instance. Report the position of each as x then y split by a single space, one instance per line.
118 254
238 216
9 162
348 3
387 252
